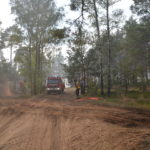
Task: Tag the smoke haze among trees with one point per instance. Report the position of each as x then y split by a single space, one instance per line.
102 51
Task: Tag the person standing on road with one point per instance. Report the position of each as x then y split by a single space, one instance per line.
77 85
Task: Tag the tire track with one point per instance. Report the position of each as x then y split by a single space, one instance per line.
54 124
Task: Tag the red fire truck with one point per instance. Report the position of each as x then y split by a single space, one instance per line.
55 84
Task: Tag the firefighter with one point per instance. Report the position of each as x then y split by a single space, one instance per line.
77 85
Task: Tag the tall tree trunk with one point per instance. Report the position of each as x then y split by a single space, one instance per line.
126 85
36 70
82 10
82 50
99 48
11 51
39 69
30 67
148 64
109 50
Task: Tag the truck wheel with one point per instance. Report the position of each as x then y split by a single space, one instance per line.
60 92
48 92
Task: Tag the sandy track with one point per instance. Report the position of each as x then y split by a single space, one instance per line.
56 122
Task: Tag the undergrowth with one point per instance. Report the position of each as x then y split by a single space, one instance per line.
133 98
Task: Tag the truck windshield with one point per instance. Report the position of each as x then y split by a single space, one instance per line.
53 81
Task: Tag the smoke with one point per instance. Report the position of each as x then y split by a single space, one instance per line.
6 89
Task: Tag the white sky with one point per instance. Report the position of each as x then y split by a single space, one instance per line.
5 14
7 18
125 5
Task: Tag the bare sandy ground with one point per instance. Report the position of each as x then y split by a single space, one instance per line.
57 122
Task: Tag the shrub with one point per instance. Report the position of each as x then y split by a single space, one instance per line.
92 89
133 94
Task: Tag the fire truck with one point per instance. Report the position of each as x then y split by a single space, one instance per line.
55 84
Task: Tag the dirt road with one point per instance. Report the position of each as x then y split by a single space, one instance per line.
57 122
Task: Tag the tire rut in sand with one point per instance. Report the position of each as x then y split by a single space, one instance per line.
56 133
59 125
40 132
32 131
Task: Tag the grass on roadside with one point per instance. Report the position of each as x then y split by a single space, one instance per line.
134 99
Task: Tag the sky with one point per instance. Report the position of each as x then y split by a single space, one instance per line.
5 14
7 18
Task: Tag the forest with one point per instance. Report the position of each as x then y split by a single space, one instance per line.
110 54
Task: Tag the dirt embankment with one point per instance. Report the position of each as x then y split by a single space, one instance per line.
57 122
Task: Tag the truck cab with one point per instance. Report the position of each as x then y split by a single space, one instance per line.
55 84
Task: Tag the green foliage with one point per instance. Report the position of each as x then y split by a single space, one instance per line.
93 89
2 42
13 35
142 8
92 62
38 20
127 60
76 55
146 95
133 94
133 99
76 4
59 33
143 103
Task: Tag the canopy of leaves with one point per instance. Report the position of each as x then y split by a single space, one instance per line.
142 8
